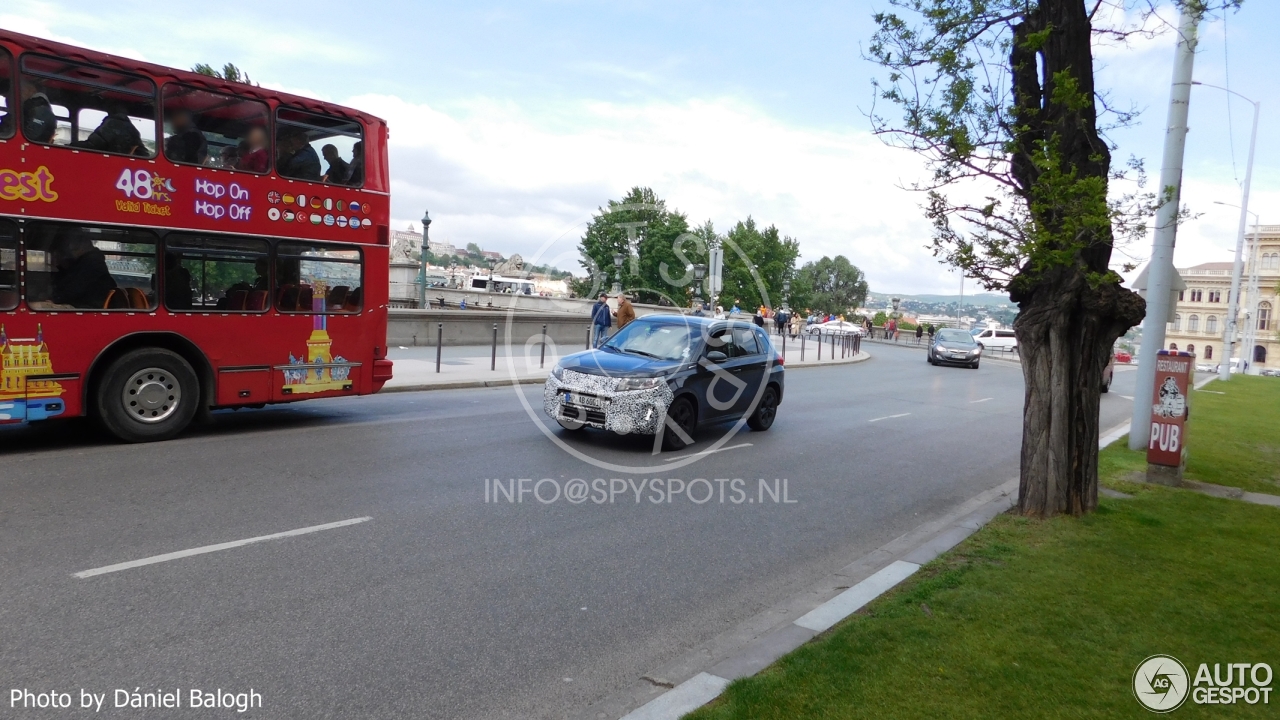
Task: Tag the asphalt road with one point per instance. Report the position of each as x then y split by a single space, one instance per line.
443 605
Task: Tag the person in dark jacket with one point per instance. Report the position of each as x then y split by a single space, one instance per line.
115 134
177 283
83 280
356 178
38 121
187 144
298 160
919 332
601 318
339 170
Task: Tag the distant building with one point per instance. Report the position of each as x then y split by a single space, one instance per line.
1200 318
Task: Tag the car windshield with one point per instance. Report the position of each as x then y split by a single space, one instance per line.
955 336
660 341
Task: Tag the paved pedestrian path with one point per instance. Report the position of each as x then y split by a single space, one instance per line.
466 366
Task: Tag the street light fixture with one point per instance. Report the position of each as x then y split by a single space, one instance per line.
453 273
617 267
1233 299
491 262
786 293
699 272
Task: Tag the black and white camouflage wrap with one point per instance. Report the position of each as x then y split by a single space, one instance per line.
633 411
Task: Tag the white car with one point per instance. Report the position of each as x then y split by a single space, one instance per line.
835 327
993 339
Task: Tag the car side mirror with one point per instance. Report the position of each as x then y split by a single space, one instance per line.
716 356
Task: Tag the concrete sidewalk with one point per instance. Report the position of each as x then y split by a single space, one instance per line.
468 366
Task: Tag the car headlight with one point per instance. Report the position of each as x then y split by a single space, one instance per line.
557 372
639 383
976 351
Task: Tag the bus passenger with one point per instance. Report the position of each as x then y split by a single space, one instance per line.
297 159
356 177
115 134
177 283
187 144
339 171
254 157
82 280
38 121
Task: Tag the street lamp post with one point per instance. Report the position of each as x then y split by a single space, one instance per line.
786 293
422 278
1233 299
699 272
453 273
1232 329
488 287
617 273
1251 315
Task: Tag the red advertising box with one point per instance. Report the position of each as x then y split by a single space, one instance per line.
1169 410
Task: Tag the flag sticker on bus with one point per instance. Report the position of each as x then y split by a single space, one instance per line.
29 186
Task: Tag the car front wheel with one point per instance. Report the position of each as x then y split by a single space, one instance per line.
683 416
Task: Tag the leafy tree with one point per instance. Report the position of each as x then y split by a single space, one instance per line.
834 285
229 72
657 246
757 257
880 319
998 97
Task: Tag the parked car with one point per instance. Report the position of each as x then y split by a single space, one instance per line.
954 347
835 327
1123 357
690 370
993 339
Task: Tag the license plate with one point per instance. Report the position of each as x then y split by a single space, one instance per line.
958 355
583 400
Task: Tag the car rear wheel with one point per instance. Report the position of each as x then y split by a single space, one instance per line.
766 411
681 414
147 395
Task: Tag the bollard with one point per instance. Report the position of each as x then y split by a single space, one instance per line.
802 347
542 361
833 347
493 357
588 337
784 346
819 346
439 342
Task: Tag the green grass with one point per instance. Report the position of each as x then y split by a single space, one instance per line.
1233 439
1049 619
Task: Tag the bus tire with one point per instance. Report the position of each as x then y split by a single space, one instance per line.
147 395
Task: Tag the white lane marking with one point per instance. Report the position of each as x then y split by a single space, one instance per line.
971 402
848 602
684 698
215 548
888 417
708 452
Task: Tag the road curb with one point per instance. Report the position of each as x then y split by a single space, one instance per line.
760 641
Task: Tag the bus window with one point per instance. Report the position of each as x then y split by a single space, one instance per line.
319 148
216 130
317 278
203 273
72 267
6 94
8 265
88 107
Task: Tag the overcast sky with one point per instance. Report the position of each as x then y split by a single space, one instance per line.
512 122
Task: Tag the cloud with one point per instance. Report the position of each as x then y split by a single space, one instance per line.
511 179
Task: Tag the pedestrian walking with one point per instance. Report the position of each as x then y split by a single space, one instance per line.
919 333
931 331
601 318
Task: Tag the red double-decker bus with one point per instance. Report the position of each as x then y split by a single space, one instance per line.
172 243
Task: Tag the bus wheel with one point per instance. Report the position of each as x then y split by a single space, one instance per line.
146 395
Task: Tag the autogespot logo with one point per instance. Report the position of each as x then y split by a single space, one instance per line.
678 290
1160 683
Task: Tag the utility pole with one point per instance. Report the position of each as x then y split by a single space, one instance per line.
1160 270
1233 299
1251 317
